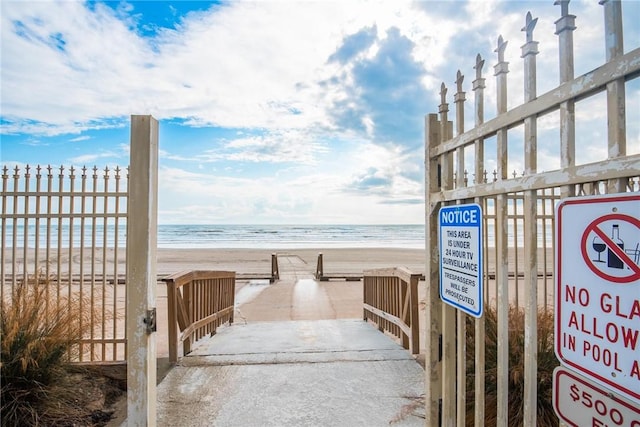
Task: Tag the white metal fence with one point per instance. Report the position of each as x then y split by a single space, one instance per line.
518 217
65 229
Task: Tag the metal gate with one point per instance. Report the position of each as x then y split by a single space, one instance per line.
518 218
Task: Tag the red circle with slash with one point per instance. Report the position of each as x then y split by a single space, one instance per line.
611 245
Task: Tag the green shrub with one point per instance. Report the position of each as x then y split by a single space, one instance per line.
547 362
36 334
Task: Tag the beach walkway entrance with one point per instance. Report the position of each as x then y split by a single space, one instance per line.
304 372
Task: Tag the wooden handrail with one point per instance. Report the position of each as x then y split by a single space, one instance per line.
390 301
198 302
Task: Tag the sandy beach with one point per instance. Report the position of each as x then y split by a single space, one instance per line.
299 297
343 260
295 297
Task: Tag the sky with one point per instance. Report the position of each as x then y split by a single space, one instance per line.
281 111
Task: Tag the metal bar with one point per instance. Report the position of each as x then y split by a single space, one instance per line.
14 268
116 255
627 166
625 67
479 334
83 190
48 242
529 52
71 218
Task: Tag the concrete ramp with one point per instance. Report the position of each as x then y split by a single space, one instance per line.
294 373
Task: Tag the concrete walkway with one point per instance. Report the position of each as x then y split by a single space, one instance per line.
297 356
294 373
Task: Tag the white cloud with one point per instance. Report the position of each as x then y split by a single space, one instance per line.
80 138
241 65
262 68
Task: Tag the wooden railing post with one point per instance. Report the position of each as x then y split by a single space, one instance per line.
172 315
413 310
275 270
320 267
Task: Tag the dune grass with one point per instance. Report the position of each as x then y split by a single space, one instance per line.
547 362
36 340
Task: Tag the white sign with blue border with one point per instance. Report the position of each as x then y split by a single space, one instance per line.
460 236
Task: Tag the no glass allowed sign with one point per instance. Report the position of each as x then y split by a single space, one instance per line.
597 309
460 231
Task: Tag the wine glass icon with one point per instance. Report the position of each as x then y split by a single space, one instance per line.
598 246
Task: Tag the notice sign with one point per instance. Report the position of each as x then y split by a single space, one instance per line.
597 309
460 229
579 402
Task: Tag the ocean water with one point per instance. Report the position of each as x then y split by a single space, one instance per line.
245 236
290 236
223 236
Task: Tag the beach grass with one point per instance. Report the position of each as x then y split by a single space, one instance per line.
37 336
547 362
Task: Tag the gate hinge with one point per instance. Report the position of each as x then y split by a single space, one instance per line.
150 320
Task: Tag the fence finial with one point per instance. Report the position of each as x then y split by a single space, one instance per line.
478 66
502 44
530 24
459 80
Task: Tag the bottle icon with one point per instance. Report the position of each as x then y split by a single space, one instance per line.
613 261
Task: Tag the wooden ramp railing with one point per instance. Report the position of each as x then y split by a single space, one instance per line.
198 302
391 302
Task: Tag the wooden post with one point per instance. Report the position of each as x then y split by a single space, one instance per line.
141 272
529 52
320 267
172 310
275 271
433 328
413 315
